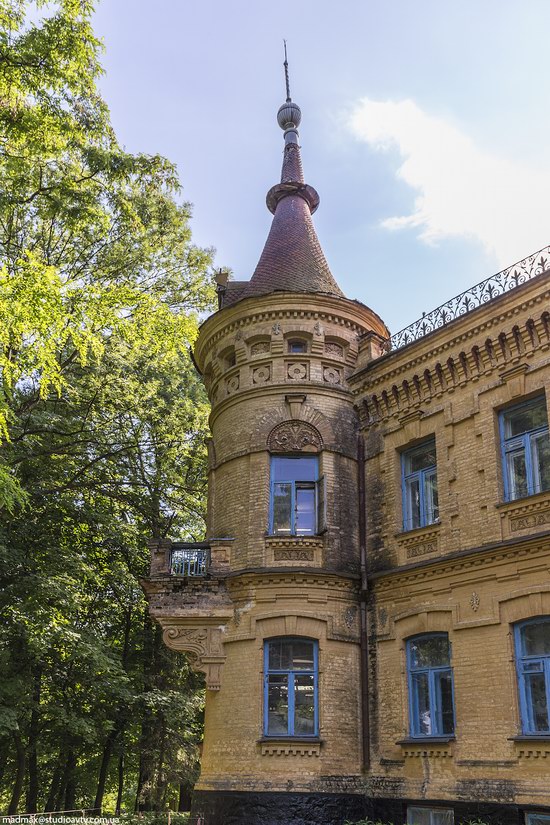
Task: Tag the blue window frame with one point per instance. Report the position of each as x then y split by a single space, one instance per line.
431 700
419 477
297 500
533 665
537 819
429 816
525 449
291 706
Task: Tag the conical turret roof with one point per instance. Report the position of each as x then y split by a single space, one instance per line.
292 259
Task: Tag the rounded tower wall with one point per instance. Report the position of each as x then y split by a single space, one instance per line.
276 371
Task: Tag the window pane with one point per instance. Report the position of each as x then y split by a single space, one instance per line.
535 639
444 684
418 816
442 818
517 474
541 462
291 654
277 701
431 498
305 510
430 651
530 666
535 688
420 458
304 706
282 503
526 418
297 346
421 705
538 819
412 492
301 655
294 469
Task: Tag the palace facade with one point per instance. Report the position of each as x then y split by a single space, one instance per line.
371 606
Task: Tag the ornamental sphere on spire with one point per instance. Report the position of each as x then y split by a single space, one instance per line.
289 115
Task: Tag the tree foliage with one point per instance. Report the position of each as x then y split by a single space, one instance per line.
102 433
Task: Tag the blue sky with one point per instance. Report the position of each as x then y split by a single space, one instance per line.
425 129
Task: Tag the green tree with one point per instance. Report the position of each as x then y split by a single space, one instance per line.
93 242
102 432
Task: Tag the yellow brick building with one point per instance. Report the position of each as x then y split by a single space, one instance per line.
371 606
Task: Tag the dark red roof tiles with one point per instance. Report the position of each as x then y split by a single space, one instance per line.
292 259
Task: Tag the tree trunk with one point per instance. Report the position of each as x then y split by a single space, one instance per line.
120 783
144 795
102 778
184 801
160 790
56 779
70 784
19 773
119 722
32 793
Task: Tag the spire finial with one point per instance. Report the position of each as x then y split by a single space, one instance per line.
289 115
288 98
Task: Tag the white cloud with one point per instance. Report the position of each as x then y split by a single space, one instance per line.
461 190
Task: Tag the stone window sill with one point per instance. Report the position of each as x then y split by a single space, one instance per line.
418 531
426 740
530 737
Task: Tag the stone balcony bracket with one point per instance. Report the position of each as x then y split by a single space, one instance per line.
203 643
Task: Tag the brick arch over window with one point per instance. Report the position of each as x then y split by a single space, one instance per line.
294 436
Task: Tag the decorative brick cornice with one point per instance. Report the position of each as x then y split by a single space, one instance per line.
289 747
388 394
475 557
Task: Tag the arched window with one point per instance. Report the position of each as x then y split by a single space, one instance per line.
290 687
297 345
431 699
533 665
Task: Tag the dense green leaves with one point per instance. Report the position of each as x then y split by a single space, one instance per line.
102 433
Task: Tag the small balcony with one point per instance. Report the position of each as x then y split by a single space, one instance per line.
190 561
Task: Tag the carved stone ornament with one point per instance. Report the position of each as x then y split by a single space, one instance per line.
260 347
238 335
474 601
332 375
204 645
233 384
318 329
276 328
334 349
297 371
294 436
261 375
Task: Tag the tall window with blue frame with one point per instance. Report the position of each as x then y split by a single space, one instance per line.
291 704
431 699
297 500
419 476
525 449
532 639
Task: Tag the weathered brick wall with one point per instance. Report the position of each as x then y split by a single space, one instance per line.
485 566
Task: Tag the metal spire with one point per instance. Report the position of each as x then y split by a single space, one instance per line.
288 98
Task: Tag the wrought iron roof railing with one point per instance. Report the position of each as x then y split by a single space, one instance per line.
472 298
190 561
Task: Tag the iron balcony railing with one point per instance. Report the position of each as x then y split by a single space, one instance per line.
472 298
190 561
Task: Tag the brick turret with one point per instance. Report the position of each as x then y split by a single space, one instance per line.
274 621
